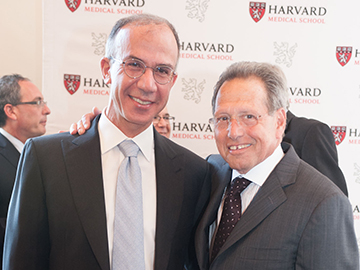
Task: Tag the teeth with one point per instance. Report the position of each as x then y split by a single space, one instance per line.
141 102
237 147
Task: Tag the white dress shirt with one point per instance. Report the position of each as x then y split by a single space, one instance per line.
257 176
111 157
16 143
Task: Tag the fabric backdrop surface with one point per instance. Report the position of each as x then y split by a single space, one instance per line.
315 42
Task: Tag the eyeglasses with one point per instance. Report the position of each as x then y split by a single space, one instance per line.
40 103
136 68
223 122
157 118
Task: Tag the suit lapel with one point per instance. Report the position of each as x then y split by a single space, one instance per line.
170 186
220 179
269 197
83 162
8 150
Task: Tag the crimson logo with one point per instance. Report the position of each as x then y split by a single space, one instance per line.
339 133
343 54
257 10
72 83
72 4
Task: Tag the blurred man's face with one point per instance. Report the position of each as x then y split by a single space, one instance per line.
31 118
163 126
244 143
135 102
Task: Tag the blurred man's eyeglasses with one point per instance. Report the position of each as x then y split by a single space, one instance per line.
223 122
166 118
136 68
40 103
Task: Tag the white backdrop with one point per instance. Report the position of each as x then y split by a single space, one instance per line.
315 42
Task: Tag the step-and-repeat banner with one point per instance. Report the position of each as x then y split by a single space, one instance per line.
315 42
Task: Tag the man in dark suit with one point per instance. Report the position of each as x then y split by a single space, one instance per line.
62 212
268 208
23 114
314 143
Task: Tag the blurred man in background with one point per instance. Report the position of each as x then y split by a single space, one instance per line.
23 115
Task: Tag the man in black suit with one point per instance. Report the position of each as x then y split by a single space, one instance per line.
268 208
314 143
63 207
23 114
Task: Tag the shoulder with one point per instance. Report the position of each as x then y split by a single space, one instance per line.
216 160
312 185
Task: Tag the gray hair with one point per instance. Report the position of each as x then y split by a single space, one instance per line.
272 76
9 93
137 20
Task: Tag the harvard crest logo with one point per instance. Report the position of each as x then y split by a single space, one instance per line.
343 54
72 4
339 133
72 83
257 10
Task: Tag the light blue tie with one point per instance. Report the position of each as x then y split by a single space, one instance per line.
128 249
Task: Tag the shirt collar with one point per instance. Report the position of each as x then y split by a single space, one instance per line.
17 143
111 136
261 172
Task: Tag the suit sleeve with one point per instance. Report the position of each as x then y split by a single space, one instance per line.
27 239
329 241
319 150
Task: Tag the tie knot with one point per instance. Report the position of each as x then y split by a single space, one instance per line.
238 185
129 148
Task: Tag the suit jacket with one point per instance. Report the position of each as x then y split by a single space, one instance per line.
9 157
297 220
57 212
314 143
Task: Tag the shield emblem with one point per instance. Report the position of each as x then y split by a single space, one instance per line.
339 133
257 10
343 54
72 83
72 4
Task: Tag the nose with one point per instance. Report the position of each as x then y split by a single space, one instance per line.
162 122
147 82
235 129
46 110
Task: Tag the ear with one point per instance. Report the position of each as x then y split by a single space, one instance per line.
173 80
10 111
105 69
280 122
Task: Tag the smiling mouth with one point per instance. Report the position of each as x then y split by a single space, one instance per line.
238 147
141 101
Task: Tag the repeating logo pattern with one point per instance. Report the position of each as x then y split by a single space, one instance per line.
72 4
197 9
72 83
193 90
339 133
343 54
99 42
257 10
357 173
284 53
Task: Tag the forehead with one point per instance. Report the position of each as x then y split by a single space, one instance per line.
150 43
242 95
163 112
29 91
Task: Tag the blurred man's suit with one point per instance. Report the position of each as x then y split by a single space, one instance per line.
314 143
9 158
68 198
288 213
